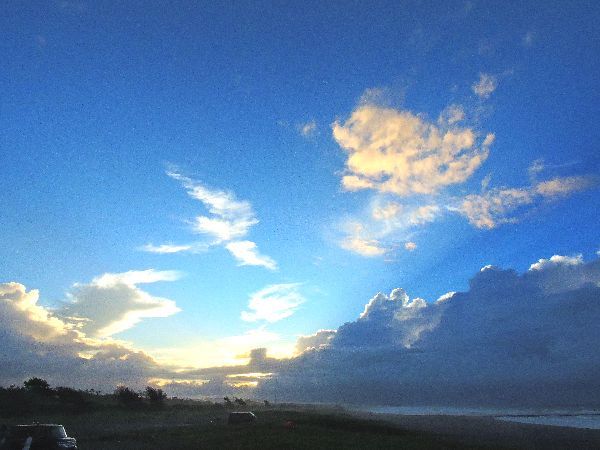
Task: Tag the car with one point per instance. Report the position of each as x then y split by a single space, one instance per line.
38 436
240 417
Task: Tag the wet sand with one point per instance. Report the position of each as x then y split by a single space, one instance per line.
490 432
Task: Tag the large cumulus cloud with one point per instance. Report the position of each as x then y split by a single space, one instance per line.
511 339
35 341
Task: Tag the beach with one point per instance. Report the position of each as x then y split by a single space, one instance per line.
491 431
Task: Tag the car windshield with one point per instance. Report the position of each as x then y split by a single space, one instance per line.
56 432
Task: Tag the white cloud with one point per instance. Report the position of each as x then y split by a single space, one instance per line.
317 340
410 246
423 214
486 85
563 186
357 242
246 252
498 206
557 260
452 115
113 302
387 211
22 314
491 208
396 151
223 230
308 129
273 303
133 277
166 248
230 220
536 167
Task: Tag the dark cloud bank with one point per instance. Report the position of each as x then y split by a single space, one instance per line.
512 339
530 339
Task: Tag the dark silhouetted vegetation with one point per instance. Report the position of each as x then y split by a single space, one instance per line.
127 397
155 396
37 396
37 385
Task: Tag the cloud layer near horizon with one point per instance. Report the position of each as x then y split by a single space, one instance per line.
510 339
36 342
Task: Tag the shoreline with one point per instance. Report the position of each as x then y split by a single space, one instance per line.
489 431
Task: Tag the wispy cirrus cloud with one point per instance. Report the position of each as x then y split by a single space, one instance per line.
273 303
229 220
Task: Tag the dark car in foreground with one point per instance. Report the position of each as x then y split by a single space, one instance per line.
38 436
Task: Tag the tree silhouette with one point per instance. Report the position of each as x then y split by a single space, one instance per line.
37 385
155 396
127 396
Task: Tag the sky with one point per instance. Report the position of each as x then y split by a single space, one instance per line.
182 184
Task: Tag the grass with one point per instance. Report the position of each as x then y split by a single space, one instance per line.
180 426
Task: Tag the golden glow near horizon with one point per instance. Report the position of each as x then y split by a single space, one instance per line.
229 351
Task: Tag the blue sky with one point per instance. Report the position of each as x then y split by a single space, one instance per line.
109 110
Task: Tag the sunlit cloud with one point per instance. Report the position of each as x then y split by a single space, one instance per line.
396 151
113 302
423 214
358 241
485 86
451 115
411 164
317 340
228 221
387 211
39 341
557 260
21 311
500 206
230 350
273 303
492 208
563 186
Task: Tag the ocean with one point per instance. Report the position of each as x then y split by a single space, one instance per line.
589 419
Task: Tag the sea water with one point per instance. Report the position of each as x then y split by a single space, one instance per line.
564 418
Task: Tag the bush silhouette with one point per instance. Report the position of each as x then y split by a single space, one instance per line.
155 396
127 396
37 385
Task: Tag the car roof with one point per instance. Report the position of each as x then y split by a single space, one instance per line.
39 425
